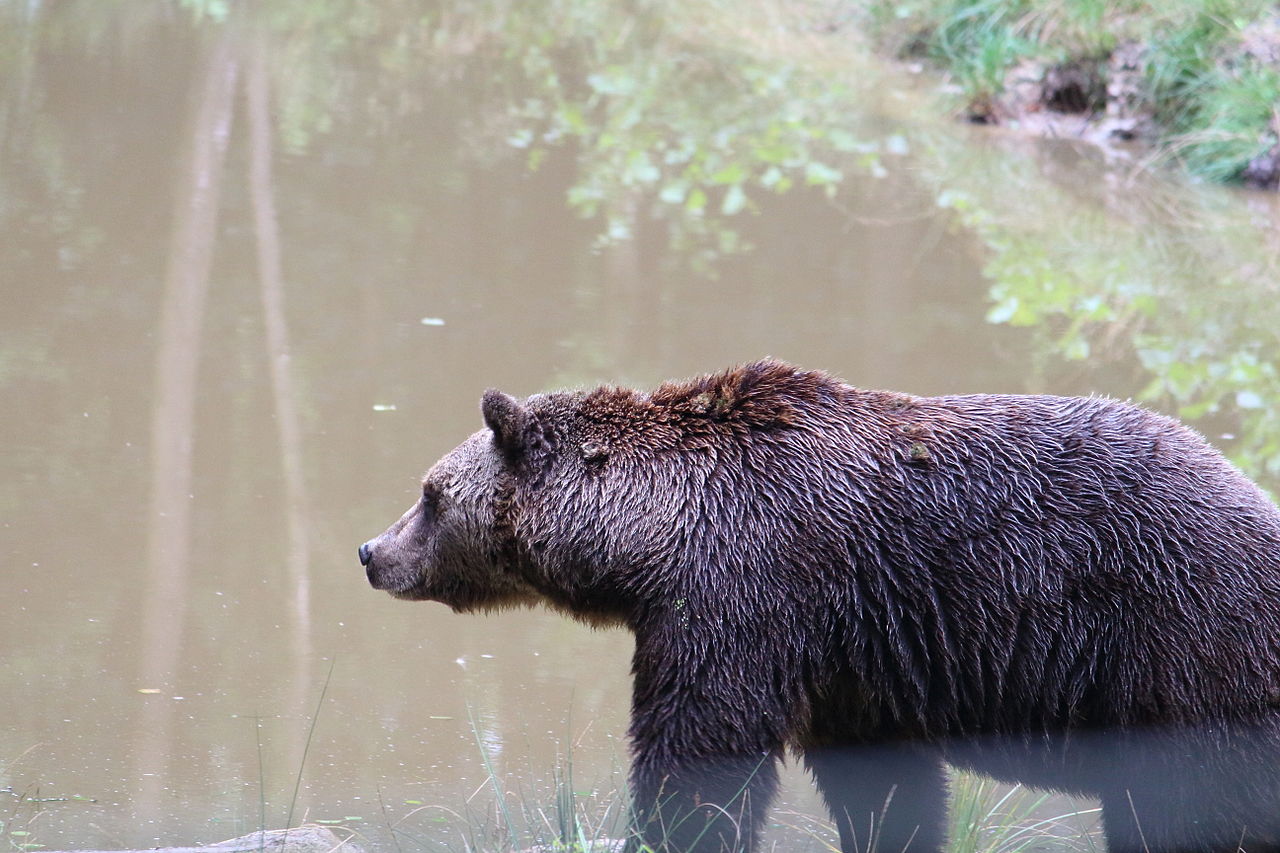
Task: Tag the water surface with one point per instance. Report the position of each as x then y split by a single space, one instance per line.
256 274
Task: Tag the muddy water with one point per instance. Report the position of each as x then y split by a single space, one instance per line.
255 275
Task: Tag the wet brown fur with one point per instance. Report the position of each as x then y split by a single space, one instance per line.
1075 594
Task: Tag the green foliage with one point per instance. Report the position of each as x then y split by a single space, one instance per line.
688 138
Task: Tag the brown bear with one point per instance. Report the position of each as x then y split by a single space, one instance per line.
1076 594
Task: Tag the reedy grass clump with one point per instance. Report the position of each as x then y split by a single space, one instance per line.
987 817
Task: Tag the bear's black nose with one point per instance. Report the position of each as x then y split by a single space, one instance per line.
366 554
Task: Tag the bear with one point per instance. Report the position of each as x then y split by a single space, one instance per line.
1076 594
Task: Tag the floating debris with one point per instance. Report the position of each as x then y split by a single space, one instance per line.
432 321
384 407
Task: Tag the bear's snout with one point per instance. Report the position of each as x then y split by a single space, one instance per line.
375 573
381 569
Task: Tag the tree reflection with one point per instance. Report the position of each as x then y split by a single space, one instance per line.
287 418
165 597
198 193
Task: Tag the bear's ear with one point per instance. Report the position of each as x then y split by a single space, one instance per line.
508 419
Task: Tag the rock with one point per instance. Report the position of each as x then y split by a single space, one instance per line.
303 839
600 845
1263 171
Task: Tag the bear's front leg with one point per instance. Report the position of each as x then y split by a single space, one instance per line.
890 798
707 804
707 730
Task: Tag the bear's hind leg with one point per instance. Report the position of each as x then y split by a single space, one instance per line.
883 799
1161 818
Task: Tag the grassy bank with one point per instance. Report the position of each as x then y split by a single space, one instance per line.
984 817
1197 79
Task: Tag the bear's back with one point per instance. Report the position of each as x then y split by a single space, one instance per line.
1031 548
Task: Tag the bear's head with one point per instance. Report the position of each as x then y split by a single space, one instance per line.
587 500
453 544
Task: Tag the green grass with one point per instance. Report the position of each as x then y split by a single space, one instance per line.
1211 67
1230 120
979 42
985 817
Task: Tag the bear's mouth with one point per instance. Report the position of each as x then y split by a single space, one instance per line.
398 587
406 589
412 593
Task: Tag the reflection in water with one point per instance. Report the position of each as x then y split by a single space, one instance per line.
583 195
288 422
187 282
166 594
1176 281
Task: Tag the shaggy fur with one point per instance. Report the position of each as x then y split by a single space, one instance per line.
1075 594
